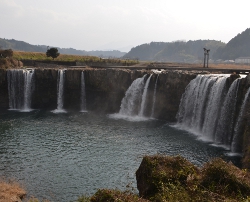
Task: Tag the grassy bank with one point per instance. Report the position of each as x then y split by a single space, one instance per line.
21 55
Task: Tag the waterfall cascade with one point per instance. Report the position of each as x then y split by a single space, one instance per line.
208 109
144 97
134 103
60 91
236 141
154 98
20 82
132 99
83 94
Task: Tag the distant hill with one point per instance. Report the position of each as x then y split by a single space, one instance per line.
146 51
178 51
239 46
107 54
23 46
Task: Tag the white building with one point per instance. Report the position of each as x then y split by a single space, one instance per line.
242 60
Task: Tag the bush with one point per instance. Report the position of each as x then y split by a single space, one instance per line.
225 179
6 53
106 195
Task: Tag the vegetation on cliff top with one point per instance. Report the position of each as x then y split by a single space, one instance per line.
163 178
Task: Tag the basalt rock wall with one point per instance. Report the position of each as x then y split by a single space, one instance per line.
105 89
4 100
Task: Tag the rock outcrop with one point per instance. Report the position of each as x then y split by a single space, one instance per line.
165 178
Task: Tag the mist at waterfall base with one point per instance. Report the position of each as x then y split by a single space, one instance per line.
60 156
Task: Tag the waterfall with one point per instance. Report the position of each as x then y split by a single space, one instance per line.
132 99
60 89
28 76
237 139
144 97
224 130
20 84
83 94
134 102
208 110
154 98
200 105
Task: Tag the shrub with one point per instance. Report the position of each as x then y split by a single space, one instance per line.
106 195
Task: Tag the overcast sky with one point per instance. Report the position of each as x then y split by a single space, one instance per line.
120 24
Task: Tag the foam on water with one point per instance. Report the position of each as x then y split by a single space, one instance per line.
128 118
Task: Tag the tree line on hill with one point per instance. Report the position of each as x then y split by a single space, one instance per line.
23 46
176 51
192 51
239 46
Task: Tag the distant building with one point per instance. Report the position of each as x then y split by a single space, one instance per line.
228 61
242 60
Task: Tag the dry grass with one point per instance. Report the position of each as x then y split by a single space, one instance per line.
21 55
229 66
187 65
11 192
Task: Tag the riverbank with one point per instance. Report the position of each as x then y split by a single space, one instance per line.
11 192
165 178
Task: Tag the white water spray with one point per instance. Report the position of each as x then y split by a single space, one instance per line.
208 110
60 93
237 139
134 102
20 82
129 104
28 76
144 97
154 98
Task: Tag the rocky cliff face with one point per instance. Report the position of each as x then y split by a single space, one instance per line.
105 89
4 100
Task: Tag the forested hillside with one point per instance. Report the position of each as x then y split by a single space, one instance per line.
239 46
178 51
146 51
23 46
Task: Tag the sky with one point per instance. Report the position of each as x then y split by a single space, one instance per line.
120 24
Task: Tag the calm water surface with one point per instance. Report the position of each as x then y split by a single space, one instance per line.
62 156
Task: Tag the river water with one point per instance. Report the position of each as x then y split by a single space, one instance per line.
62 156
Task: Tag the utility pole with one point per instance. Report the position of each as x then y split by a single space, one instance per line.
206 57
205 53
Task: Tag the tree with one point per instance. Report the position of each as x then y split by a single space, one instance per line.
52 52
6 53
